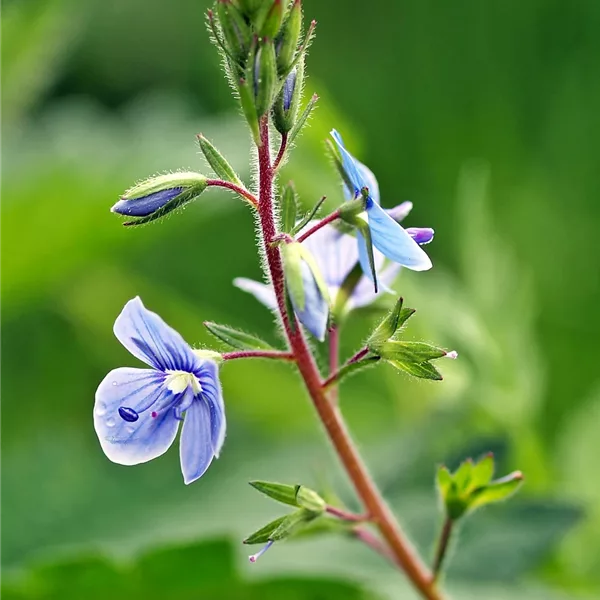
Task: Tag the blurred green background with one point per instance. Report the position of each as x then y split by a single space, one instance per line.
484 114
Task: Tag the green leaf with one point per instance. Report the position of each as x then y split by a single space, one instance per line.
302 119
293 523
387 328
417 352
496 491
308 216
482 472
289 208
217 162
281 492
462 475
292 263
444 481
263 535
236 338
420 370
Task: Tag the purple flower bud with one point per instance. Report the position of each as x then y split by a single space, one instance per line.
288 90
421 235
159 195
142 207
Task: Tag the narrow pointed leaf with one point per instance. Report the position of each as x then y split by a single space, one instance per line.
293 523
413 352
302 119
217 162
292 262
482 472
462 476
289 208
281 492
236 338
497 491
263 535
422 370
387 328
308 217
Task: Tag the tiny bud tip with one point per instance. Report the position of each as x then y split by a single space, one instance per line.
453 354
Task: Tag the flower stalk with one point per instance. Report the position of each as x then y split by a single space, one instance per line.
328 219
234 188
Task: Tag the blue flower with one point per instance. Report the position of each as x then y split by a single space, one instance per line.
336 254
138 411
387 235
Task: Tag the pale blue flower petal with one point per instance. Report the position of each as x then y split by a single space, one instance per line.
334 252
401 211
394 242
131 443
315 313
151 340
208 375
349 165
262 292
195 447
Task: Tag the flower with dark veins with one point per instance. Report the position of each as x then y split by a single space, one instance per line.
138 411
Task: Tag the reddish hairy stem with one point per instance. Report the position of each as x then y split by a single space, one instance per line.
329 414
274 354
328 219
234 188
282 149
335 374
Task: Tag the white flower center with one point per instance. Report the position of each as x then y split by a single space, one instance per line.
178 381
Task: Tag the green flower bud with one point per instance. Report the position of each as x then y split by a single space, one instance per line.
272 21
236 31
310 500
287 40
285 110
265 76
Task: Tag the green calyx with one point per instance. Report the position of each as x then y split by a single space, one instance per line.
471 486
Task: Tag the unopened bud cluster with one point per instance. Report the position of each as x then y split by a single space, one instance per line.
263 48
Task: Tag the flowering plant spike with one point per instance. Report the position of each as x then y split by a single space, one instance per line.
319 271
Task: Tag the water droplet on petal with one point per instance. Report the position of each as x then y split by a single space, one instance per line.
100 409
110 422
131 430
114 383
